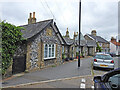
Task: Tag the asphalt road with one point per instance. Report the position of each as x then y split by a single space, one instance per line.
66 70
61 72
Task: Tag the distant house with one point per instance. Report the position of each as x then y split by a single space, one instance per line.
71 47
104 44
114 46
87 46
68 45
43 46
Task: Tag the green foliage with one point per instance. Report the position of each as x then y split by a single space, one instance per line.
63 56
82 53
98 48
11 38
77 53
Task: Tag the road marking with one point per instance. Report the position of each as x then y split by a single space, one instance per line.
82 85
83 80
33 83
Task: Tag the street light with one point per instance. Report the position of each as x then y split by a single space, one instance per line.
79 31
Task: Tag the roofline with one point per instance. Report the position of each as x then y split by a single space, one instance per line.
42 29
59 33
37 22
90 36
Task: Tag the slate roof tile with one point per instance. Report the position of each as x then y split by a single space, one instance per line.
33 29
98 38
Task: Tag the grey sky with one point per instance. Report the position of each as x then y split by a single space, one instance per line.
96 14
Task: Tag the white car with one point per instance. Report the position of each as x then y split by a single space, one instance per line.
103 61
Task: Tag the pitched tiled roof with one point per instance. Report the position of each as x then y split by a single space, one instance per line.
116 43
68 40
91 43
98 38
82 43
33 29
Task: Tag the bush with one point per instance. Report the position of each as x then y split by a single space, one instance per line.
11 38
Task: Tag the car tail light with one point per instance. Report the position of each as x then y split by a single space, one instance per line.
112 61
95 60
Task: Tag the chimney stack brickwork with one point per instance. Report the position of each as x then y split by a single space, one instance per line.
113 39
31 19
93 32
67 33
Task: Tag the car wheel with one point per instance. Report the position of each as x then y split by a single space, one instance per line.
112 69
94 67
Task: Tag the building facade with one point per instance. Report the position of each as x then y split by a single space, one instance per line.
114 46
43 45
104 44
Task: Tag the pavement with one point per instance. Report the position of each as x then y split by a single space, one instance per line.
74 82
66 75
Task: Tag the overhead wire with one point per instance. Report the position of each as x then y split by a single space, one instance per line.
50 10
45 8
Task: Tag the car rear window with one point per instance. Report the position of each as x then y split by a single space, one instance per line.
103 56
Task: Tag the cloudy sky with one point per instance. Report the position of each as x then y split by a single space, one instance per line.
98 15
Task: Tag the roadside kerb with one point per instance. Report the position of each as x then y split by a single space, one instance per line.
92 72
21 74
41 82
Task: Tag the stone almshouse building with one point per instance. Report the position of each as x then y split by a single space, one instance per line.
43 46
104 44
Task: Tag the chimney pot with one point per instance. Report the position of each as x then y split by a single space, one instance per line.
33 14
30 15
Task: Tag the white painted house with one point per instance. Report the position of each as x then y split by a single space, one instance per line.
114 46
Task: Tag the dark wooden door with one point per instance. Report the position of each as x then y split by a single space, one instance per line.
19 64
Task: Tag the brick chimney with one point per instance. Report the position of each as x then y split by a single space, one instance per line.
93 32
31 19
67 33
113 39
75 35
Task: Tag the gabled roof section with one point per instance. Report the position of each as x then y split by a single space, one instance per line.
81 37
91 43
98 38
58 33
82 43
32 29
68 40
115 43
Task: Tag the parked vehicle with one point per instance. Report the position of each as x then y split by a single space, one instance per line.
112 54
109 81
103 61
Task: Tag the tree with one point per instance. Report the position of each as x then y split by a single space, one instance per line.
11 38
98 48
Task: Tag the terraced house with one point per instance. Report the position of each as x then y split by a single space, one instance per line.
43 46
104 44
71 48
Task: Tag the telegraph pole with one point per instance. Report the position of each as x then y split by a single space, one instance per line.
79 31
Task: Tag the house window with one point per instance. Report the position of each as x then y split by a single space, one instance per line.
49 51
62 49
46 51
53 53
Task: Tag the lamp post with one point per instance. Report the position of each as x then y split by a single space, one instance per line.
79 31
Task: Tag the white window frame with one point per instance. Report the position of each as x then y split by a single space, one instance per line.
62 49
48 51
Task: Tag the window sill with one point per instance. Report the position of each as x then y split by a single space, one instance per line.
49 58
